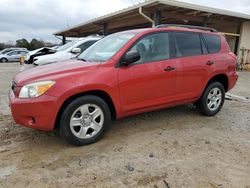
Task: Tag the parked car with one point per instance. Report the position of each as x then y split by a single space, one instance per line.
29 58
124 74
55 47
12 56
6 50
65 52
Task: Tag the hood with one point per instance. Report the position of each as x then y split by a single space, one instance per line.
45 49
51 58
38 52
3 55
54 71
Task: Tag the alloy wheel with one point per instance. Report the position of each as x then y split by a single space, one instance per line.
214 99
86 121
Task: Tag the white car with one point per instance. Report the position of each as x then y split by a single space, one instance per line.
68 51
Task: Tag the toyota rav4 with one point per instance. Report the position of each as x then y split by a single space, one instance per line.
124 74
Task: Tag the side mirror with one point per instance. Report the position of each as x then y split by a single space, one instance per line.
76 51
130 58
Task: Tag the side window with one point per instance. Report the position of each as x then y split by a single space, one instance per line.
12 53
85 45
22 53
213 43
187 44
154 47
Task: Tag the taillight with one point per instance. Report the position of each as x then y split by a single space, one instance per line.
234 61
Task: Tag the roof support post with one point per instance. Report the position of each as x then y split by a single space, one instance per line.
146 17
205 21
237 42
63 39
105 29
157 17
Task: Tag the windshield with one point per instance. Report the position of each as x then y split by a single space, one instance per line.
106 48
66 46
6 51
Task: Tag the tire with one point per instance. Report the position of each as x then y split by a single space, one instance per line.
4 60
212 99
85 120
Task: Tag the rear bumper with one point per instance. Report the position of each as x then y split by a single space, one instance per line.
232 80
38 113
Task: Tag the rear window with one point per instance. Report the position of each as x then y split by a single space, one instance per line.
187 44
213 43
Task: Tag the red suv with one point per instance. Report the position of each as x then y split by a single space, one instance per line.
123 74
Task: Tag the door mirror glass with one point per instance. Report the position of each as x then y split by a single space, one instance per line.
76 51
131 57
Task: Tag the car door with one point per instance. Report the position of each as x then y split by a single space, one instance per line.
19 55
191 64
149 82
23 53
12 56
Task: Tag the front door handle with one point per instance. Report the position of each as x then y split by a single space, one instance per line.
169 68
209 62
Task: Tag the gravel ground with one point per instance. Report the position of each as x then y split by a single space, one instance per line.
171 148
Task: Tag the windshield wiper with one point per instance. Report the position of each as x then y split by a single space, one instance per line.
89 60
81 59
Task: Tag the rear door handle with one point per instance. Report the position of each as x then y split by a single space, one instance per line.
209 62
169 68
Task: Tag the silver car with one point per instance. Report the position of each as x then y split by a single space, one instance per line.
12 56
6 50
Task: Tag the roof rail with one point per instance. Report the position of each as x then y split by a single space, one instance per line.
187 26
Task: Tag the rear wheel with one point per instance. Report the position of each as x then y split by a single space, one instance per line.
85 120
4 60
212 99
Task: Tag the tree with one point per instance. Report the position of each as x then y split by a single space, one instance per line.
35 44
23 43
32 45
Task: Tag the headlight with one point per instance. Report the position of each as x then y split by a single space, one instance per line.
35 89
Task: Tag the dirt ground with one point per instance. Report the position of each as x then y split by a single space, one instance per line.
170 148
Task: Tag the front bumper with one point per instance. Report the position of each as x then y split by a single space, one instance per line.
38 113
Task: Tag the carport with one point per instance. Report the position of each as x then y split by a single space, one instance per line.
235 26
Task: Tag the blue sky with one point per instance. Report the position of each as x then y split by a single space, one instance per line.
40 18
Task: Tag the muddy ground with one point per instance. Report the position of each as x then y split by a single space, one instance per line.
176 147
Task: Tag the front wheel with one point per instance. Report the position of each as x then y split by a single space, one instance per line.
212 99
85 120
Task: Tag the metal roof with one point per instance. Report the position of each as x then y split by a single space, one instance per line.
204 8
132 19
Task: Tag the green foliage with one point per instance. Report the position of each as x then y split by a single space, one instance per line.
34 44
23 43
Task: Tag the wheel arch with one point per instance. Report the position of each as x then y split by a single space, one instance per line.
4 58
221 78
99 93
